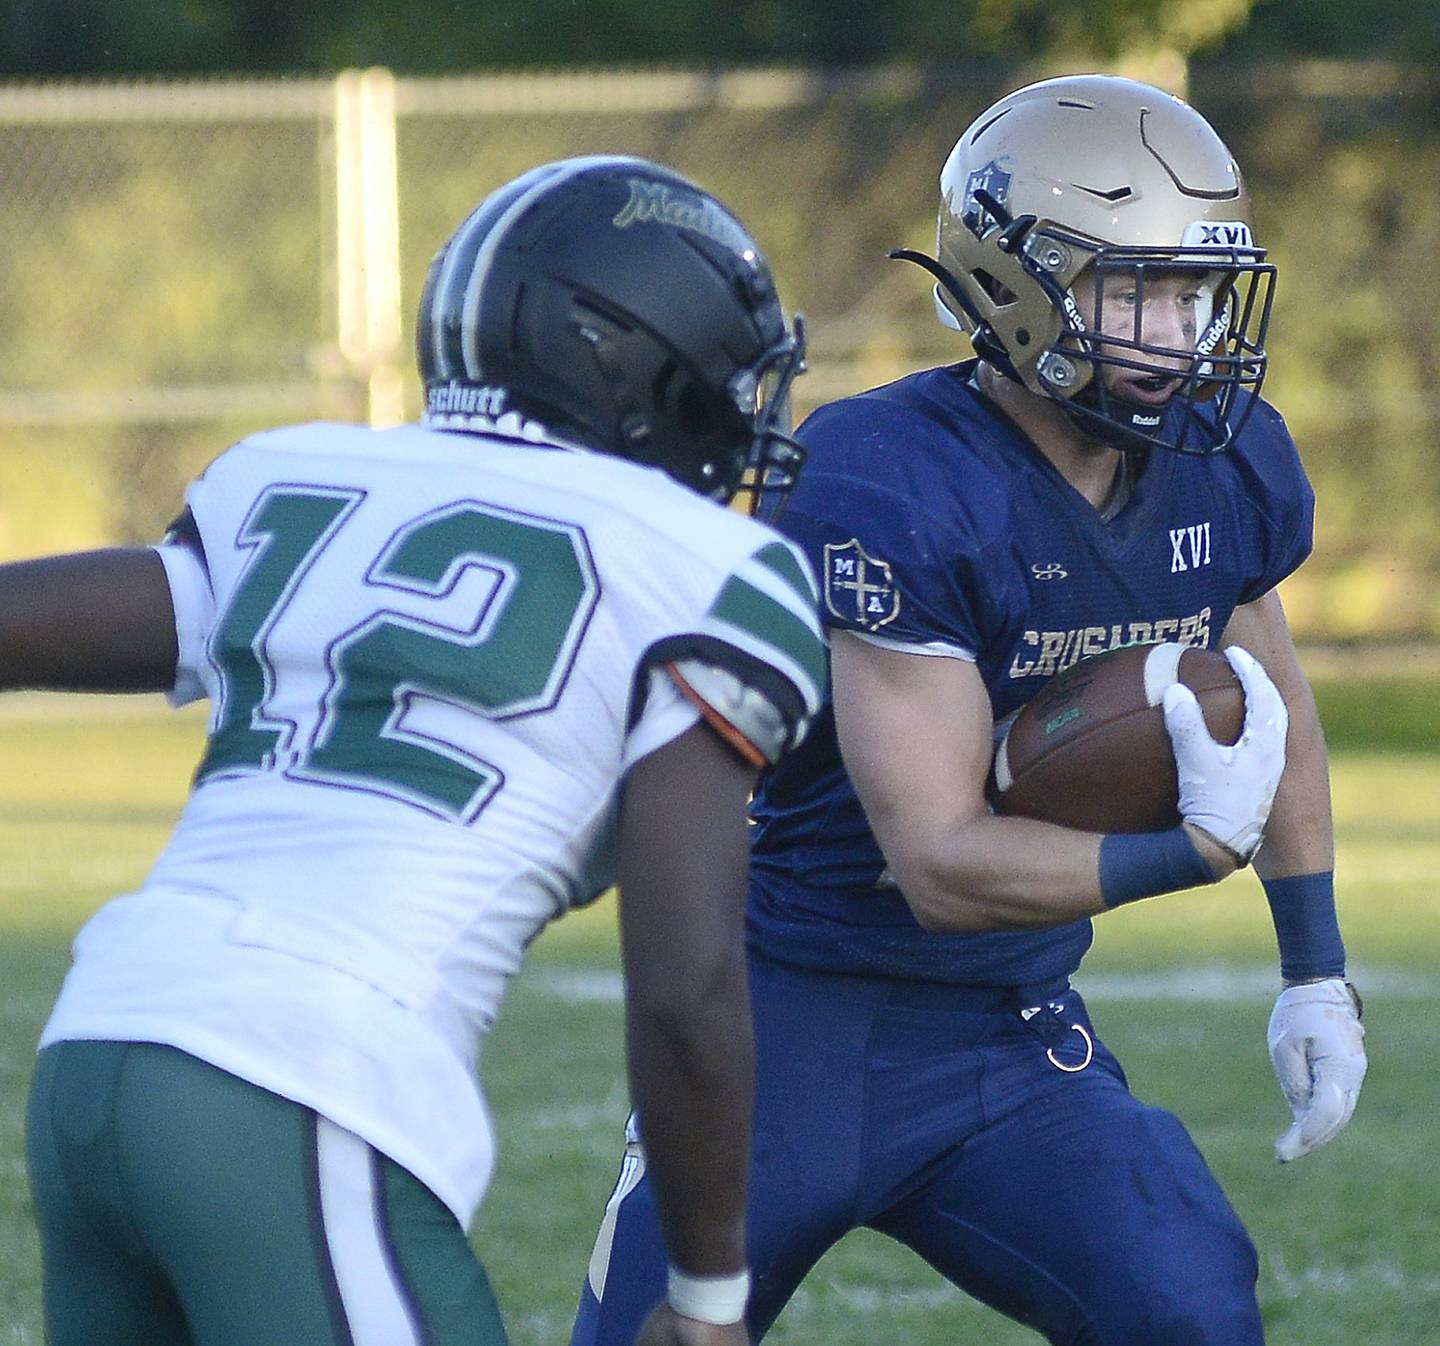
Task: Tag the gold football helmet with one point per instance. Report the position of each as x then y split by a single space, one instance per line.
1118 182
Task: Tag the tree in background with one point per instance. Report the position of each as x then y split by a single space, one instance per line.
164 37
172 37
1337 29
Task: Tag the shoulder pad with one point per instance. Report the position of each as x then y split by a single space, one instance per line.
744 716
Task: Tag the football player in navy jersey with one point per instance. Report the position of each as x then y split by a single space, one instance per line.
1104 473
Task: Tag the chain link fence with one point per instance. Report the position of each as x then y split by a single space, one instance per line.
184 263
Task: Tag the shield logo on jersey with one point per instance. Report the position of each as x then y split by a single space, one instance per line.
859 588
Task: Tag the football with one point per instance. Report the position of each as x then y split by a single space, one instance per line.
1091 750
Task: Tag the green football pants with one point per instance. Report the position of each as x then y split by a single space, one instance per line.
179 1205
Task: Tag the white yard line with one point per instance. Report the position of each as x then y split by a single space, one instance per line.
1215 983
1219 982
1327 1278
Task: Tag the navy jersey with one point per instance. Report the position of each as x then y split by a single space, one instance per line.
933 521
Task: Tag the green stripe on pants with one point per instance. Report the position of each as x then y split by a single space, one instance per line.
178 1206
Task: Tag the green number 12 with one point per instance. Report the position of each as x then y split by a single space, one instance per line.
514 661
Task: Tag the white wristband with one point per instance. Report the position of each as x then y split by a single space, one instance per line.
709 1299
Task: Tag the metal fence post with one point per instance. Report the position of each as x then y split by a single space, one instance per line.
367 219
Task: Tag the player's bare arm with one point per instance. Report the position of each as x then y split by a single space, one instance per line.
917 736
99 621
921 776
682 885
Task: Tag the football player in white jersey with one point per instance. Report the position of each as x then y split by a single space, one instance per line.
463 676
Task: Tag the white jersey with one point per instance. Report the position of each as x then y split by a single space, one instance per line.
431 658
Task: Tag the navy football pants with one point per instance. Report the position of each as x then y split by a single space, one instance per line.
944 1118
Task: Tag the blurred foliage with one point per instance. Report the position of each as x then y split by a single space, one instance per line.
1338 29
1345 193
92 37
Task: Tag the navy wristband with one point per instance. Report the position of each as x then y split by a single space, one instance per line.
1145 864
1306 926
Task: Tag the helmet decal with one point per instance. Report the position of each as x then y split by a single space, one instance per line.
661 203
993 181
1217 234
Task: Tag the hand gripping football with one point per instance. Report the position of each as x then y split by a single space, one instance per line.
1091 750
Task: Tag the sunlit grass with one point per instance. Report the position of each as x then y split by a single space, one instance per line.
87 796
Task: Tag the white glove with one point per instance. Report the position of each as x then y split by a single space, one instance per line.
1226 790
1317 1045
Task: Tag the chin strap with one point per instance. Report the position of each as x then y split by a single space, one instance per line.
1121 424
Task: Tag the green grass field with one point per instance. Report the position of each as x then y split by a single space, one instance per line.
1180 988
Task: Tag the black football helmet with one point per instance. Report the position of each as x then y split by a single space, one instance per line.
613 303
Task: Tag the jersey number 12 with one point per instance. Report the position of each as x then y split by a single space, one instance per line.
515 661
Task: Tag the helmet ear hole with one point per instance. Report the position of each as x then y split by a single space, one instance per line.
683 400
999 294
693 411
